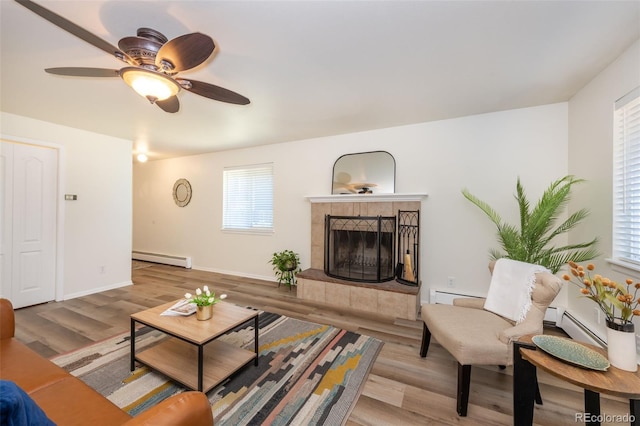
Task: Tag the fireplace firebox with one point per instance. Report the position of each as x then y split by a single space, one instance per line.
360 248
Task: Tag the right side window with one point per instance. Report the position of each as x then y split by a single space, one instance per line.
626 179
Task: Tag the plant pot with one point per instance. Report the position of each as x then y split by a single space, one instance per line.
289 265
621 346
204 313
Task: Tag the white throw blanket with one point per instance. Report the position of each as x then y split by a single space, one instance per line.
510 290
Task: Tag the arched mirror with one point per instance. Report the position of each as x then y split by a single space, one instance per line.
364 173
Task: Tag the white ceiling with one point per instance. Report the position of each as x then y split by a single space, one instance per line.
312 68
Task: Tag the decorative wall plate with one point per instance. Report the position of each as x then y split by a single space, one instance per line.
572 352
182 192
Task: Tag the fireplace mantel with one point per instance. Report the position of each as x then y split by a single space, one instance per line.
364 198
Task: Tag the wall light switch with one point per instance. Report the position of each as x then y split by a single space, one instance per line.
70 197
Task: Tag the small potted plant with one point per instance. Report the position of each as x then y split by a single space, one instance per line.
204 300
286 264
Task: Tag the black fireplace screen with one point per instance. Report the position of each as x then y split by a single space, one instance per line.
360 248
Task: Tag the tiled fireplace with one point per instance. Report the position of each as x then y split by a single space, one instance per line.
390 297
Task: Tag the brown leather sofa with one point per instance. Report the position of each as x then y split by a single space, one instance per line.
67 400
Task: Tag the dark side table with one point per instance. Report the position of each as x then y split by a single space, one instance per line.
526 358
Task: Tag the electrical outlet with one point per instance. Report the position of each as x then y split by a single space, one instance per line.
597 314
451 282
638 343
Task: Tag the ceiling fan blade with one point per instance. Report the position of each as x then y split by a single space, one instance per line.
76 30
214 92
171 104
184 52
84 72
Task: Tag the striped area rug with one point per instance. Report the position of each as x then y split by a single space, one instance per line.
308 374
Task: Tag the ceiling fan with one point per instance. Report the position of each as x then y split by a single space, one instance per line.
153 62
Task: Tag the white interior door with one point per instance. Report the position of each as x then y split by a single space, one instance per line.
6 214
32 204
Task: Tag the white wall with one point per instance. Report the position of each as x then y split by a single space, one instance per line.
591 148
96 229
485 153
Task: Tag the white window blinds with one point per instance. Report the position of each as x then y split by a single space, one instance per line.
626 178
248 198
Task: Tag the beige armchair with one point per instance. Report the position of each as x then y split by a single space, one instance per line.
475 336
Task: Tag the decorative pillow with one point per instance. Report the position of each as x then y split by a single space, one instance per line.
18 409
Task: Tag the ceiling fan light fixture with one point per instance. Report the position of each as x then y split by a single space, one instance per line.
150 84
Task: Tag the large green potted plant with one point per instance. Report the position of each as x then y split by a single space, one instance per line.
286 264
531 241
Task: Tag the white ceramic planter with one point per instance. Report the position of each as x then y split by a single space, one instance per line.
621 346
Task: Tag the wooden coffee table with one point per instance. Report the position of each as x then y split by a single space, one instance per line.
192 355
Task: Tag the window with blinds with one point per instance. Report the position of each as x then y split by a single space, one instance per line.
248 198
626 179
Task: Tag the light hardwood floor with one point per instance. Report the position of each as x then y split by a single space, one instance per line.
402 388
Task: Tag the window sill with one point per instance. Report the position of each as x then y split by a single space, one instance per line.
248 231
631 269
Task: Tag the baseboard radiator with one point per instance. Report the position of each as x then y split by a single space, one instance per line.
446 297
578 331
184 261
